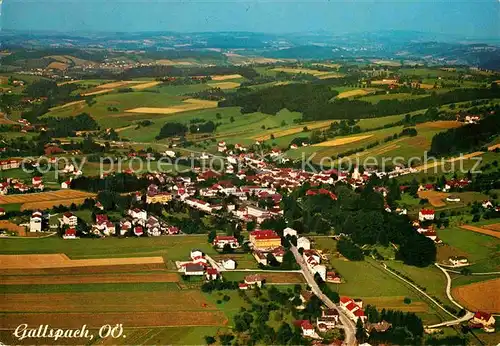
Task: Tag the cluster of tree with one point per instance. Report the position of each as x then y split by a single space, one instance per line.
407 327
161 71
251 324
172 130
212 94
207 127
294 97
184 80
466 138
350 250
362 217
67 126
120 182
219 285
348 109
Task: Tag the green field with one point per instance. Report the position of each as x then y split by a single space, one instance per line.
395 96
482 250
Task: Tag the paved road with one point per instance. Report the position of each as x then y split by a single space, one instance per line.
349 327
468 315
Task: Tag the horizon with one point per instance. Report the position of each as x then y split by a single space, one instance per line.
465 20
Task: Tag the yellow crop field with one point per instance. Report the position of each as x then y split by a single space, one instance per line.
356 92
342 141
119 84
97 92
315 73
168 62
225 85
384 82
67 105
143 86
226 77
188 105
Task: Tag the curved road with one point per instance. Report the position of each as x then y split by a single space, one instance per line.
349 327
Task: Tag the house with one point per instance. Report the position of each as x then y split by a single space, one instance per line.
289 231
70 234
137 213
458 260
138 231
2 211
426 215
211 274
453 198
294 146
304 296
66 184
303 243
37 183
380 327
306 327
333 278
229 264
484 319
194 269
487 204
328 320
220 241
69 219
221 147
353 309
196 254
265 239
254 280
160 197
242 286
36 222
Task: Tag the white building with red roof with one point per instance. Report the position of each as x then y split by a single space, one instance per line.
220 241
426 215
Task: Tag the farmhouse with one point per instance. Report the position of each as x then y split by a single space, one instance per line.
220 241
484 319
139 214
458 260
265 239
426 215
453 198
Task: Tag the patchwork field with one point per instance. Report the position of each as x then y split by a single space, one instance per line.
484 230
480 296
188 105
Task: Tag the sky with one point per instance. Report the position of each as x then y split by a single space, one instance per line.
465 18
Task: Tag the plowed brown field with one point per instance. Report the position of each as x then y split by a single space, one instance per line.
480 296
